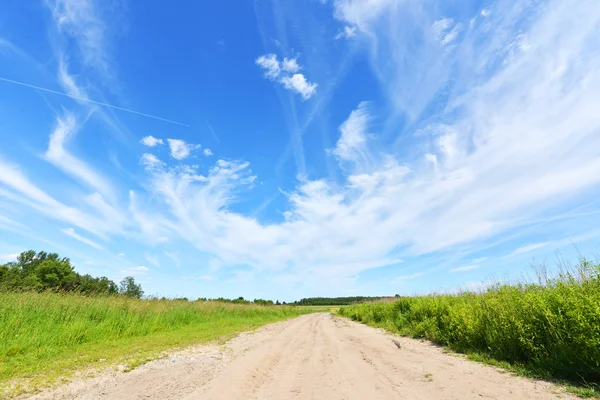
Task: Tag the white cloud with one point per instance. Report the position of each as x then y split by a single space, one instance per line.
150 161
348 32
290 65
286 74
300 85
151 141
208 152
90 263
180 149
446 30
352 144
465 268
71 232
485 12
528 248
270 65
121 254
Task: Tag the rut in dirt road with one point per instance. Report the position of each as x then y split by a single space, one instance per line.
317 356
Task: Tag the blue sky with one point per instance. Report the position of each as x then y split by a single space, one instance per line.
286 149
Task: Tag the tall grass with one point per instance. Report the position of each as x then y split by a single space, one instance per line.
551 328
42 336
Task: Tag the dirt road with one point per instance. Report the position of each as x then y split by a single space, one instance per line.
316 356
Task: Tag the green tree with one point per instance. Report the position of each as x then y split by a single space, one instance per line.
48 271
129 288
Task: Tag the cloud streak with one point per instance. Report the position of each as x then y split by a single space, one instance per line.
65 128
465 268
71 232
85 99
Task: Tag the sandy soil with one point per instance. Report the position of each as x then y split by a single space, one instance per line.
316 356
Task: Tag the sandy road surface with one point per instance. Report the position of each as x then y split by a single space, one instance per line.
316 356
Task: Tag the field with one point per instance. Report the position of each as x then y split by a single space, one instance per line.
46 336
550 329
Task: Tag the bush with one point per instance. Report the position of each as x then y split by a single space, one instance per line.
44 271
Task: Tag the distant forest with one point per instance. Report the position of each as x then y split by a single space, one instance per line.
337 301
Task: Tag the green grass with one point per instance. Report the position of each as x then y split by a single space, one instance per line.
548 330
44 337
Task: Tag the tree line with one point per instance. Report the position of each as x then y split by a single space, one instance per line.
335 301
44 271
241 300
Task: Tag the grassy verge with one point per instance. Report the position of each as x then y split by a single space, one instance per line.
548 330
47 336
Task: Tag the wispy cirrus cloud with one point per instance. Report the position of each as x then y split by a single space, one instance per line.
153 260
24 192
528 248
352 145
465 268
71 232
81 21
66 127
446 30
